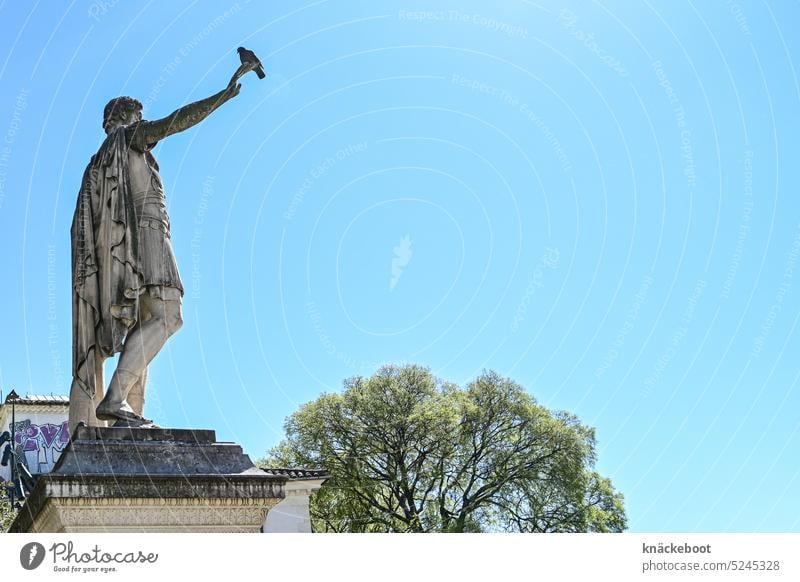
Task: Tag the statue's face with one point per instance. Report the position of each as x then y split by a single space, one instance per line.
134 116
130 117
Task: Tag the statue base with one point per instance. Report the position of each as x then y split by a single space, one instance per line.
150 480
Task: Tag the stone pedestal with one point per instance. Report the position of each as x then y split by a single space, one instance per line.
150 480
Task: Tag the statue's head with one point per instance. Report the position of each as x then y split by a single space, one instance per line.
121 111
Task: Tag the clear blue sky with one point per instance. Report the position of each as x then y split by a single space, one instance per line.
599 201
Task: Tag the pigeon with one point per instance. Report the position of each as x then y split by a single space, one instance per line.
248 57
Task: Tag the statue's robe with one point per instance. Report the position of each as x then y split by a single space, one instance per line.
106 271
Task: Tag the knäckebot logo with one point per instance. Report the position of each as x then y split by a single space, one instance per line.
31 555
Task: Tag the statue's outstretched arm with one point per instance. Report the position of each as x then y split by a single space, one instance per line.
185 117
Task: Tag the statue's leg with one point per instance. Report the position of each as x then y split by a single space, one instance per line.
140 348
136 395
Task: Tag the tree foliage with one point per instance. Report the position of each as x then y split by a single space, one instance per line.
7 512
410 453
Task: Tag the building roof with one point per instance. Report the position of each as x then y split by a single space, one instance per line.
36 399
297 473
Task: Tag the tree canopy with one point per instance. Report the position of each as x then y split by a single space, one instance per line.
7 512
408 452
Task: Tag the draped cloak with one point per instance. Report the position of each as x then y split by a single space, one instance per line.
106 270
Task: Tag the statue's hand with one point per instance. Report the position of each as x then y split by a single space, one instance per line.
240 72
232 90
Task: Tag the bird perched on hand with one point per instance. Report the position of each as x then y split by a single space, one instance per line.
248 57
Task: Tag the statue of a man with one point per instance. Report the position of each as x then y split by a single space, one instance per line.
126 289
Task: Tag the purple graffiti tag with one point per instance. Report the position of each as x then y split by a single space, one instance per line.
21 431
46 440
28 437
49 433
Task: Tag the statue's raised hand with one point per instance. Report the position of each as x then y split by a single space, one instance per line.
232 90
240 72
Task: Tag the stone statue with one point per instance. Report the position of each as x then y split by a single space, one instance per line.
126 289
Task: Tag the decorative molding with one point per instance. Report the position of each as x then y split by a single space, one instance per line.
162 515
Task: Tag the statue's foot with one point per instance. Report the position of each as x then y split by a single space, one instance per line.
121 414
114 404
110 410
134 423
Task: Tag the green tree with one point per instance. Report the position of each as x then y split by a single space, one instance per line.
7 513
410 453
